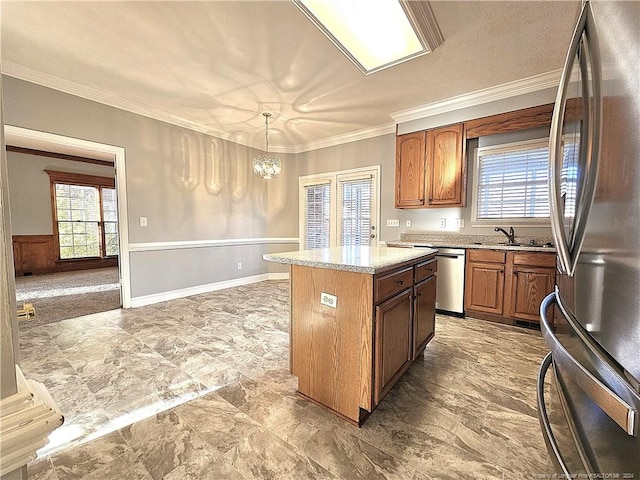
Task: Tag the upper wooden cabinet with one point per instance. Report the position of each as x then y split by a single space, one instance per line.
446 166
410 170
430 168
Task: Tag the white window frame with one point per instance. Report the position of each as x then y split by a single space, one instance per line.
332 178
522 221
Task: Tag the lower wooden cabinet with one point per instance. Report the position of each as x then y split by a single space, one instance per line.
530 278
508 286
393 341
484 277
405 314
424 312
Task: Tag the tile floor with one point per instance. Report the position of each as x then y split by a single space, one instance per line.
198 388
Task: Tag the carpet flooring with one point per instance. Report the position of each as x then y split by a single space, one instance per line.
64 295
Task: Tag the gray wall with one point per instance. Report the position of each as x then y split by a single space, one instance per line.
381 151
189 185
194 187
30 193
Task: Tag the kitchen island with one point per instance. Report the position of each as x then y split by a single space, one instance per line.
359 317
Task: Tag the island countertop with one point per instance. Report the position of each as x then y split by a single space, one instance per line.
360 259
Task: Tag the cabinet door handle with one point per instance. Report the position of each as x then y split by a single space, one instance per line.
419 294
400 282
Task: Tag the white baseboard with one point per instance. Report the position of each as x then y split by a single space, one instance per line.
211 287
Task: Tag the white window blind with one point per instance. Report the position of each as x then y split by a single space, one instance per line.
512 181
317 215
569 175
356 204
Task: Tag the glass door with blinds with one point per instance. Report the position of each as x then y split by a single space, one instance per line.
340 208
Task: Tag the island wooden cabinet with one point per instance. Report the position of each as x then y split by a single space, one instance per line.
405 323
392 341
354 334
410 170
424 306
431 168
446 166
508 286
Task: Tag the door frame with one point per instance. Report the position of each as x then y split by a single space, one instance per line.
38 140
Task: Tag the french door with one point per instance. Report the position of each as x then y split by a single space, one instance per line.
340 208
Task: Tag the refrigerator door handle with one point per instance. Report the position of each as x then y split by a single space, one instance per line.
547 432
556 204
584 35
615 407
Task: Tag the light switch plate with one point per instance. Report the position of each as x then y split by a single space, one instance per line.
393 223
328 300
143 221
460 222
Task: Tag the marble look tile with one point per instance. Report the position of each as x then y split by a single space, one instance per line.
41 469
216 421
348 456
262 455
204 466
126 466
285 414
77 463
163 443
78 425
465 409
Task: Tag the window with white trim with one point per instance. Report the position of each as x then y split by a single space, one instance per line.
85 215
339 208
511 181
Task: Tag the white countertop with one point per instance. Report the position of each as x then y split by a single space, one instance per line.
353 259
467 244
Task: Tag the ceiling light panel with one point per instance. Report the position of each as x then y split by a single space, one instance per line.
372 34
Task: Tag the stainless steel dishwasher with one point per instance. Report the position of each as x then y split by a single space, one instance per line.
450 280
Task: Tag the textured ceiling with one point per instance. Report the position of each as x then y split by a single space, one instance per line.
217 65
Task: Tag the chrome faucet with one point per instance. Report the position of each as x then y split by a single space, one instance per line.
511 236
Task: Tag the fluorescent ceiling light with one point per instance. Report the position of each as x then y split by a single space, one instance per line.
375 34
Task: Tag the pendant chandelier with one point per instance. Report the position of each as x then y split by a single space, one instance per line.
266 165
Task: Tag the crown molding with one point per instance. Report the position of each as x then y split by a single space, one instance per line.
499 92
346 138
55 82
503 91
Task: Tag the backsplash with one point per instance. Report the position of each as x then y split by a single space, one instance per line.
470 239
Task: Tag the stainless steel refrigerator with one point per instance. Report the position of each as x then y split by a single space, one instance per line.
591 322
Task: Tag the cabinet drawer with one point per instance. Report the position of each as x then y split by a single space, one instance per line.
534 259
426 269
387 285
486 256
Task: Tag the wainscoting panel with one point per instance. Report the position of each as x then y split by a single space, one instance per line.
37 254
33 253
